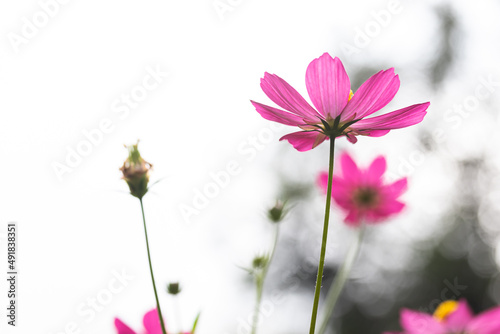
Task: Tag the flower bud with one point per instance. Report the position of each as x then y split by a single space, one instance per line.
260 262
173 288
136 172
277 212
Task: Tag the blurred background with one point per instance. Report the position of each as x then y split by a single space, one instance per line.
81 79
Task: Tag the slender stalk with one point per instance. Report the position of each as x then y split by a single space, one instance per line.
275 242
260 278
341 279
260 281
151 270
319 278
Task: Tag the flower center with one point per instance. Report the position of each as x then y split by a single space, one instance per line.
366 197
329 126
445 309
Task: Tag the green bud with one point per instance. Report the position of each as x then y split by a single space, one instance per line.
277 212
136 172
260 262
173 288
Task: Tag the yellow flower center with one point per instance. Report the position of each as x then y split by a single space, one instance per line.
351 94
445 309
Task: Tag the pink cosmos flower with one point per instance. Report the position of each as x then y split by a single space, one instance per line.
151 323
362 192
451 317
338 112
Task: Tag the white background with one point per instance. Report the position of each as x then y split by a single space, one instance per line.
77 229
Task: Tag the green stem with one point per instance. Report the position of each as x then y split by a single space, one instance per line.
323 243
260 281
341 279
275 242
151 270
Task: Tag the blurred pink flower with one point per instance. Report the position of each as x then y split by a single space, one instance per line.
451 317
151 323
362 192
338 112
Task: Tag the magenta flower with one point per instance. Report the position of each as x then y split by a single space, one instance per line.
151 323
362 192
338 111
451 317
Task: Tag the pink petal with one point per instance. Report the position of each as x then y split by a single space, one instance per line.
122 328
458 319
350 170
388 208
378 217
322 181
420 323
339 184
351 138
376 170
342 193
394 120
374 94
372 133
303 140
284 95
151 322
277 115
328 85
353 218
396 189
374 217
486 323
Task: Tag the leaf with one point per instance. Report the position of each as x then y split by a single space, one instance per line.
195 323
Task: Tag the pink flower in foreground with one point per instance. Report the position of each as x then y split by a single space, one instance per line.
151 323
451 317
338 112
362 192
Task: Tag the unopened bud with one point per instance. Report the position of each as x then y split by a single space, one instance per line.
173 288
260 262
136 172
277 212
